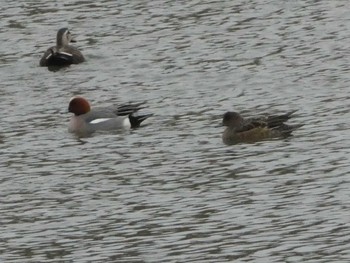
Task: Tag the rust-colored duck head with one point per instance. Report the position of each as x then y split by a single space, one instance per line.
78 106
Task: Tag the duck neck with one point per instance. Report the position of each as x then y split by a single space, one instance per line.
61 42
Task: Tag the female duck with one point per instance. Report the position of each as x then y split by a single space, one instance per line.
62 54
255 129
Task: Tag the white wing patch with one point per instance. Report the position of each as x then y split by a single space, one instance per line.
48 56
126 123
65 53
99 120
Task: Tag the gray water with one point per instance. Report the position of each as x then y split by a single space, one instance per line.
171 191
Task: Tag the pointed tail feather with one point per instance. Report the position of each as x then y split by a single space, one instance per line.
287 130
296 126
135 120
277 120
290 113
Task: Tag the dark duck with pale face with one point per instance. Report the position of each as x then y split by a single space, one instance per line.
63 54
255 129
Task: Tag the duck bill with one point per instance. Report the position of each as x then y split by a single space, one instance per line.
73 40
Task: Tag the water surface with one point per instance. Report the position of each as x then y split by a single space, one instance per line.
171 191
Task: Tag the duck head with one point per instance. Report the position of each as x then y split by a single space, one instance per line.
64 37
79 106
232 120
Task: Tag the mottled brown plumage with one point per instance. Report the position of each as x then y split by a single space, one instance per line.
255 129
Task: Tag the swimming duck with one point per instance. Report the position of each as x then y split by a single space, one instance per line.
62 54
255 129
87 120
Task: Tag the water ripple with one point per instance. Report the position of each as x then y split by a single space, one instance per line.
171 190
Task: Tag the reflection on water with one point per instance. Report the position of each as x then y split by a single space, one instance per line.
172 191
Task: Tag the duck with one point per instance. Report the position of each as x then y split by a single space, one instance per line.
63 54
86 120
255 129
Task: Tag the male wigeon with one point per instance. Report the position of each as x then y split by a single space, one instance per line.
86 120
62 54
255 129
